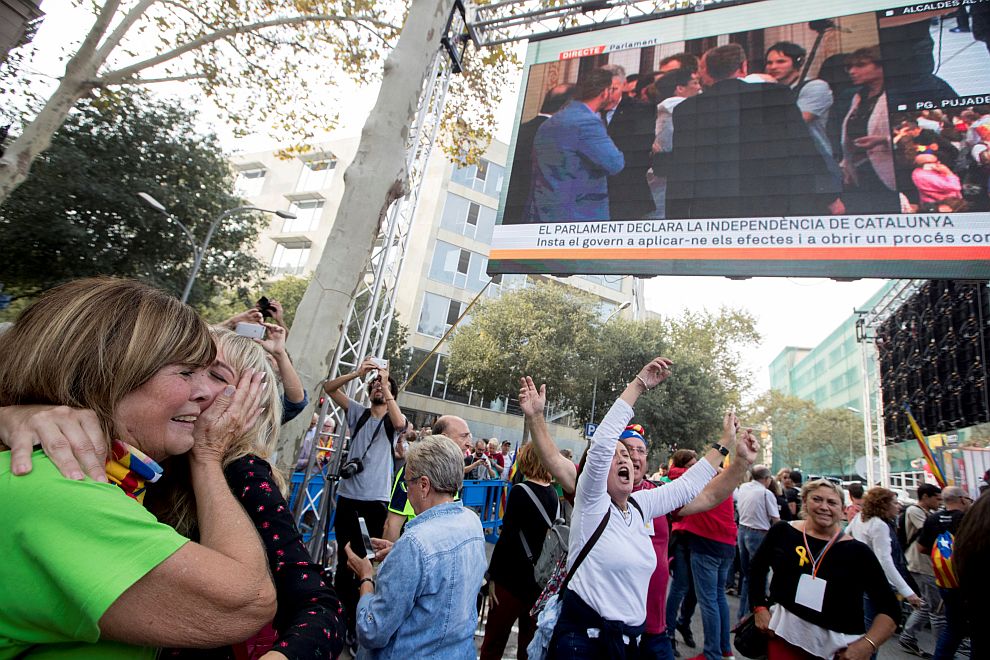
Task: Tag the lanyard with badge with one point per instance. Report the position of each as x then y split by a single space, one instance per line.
811 588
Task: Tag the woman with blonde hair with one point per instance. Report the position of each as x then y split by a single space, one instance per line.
86 567
814 608
531 508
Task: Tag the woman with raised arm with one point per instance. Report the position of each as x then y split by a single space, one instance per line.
604 607
657 639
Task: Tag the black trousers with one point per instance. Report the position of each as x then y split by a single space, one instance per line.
345 526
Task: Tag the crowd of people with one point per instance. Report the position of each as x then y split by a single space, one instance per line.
145 516
704 138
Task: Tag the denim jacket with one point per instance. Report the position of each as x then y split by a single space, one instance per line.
424 605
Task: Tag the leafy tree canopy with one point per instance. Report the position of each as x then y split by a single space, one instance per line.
79 215
557 336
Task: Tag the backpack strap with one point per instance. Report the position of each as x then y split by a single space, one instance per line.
632 500
539 505
546 519
362 420
917 532
585 550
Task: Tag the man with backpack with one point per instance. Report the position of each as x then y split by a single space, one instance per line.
936 541
909 526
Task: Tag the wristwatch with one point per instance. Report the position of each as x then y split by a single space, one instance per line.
722 450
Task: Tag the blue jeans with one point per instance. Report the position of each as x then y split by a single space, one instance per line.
681 595
749 542
711 573
955 625
656 647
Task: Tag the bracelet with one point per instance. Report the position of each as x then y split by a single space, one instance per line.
758 608
872 643
645 386
722 449
367 579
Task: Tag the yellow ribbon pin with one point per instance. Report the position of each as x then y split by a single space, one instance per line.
803 554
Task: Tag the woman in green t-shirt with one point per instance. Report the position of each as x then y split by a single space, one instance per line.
84 563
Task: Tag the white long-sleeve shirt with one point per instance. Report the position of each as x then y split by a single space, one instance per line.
876 534
615 575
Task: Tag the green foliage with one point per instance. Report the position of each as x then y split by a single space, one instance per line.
817 440
288 290
557 337
78 215
544 331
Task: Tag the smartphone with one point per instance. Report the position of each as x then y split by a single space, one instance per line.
381 363
252 330
369 552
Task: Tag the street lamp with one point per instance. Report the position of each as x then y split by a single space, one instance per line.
594 387
199 251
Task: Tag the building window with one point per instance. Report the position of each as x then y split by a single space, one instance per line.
289 260
308 212
481 171
316 174
485 177
463 261
437 315
468 218
250 182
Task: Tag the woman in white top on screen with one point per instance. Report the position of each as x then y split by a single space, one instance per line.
604 607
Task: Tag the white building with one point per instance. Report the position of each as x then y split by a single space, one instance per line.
445 268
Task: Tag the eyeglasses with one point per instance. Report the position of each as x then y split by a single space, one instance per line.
409 482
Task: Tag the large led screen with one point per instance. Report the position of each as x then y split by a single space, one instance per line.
781 137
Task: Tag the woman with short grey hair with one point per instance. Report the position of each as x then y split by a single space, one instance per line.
422 604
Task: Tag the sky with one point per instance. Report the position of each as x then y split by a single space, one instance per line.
789 311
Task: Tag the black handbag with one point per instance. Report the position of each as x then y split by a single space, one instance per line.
750 641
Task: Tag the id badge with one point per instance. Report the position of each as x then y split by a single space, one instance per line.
810 592
649 527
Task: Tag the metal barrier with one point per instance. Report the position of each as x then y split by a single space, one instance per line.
311 506
486 498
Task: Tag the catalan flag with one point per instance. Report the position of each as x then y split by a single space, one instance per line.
926 451
942 565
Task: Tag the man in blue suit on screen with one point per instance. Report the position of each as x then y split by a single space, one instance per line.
573 155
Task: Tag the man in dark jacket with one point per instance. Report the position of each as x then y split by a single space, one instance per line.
742 149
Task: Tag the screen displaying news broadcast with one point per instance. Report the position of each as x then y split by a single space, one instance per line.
778 137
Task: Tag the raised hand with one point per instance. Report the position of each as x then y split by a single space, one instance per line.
747 446
532 401
654 373
274 341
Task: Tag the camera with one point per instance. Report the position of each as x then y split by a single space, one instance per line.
265 307
351 468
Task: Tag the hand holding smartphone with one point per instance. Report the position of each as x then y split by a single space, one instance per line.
369 551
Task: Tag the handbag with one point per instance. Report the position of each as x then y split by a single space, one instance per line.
750 641
547 607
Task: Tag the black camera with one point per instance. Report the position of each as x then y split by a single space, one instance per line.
352 467
265 307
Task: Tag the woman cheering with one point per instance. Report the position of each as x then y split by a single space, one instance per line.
604 607
820 576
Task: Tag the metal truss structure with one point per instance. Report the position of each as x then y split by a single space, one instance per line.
369 317
515 20
866 326
370 314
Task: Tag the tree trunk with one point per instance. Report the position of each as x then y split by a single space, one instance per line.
372 183
37 136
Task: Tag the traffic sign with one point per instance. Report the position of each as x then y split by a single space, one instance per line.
589 429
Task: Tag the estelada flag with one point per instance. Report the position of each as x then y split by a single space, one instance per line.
942 565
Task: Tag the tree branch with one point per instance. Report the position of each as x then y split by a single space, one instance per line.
112 41
151 81
89 44
118 76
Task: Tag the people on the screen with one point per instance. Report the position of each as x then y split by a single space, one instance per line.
867 163
521 179
667 93
629 125
574 155
742 149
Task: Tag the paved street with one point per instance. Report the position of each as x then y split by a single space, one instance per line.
889 651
